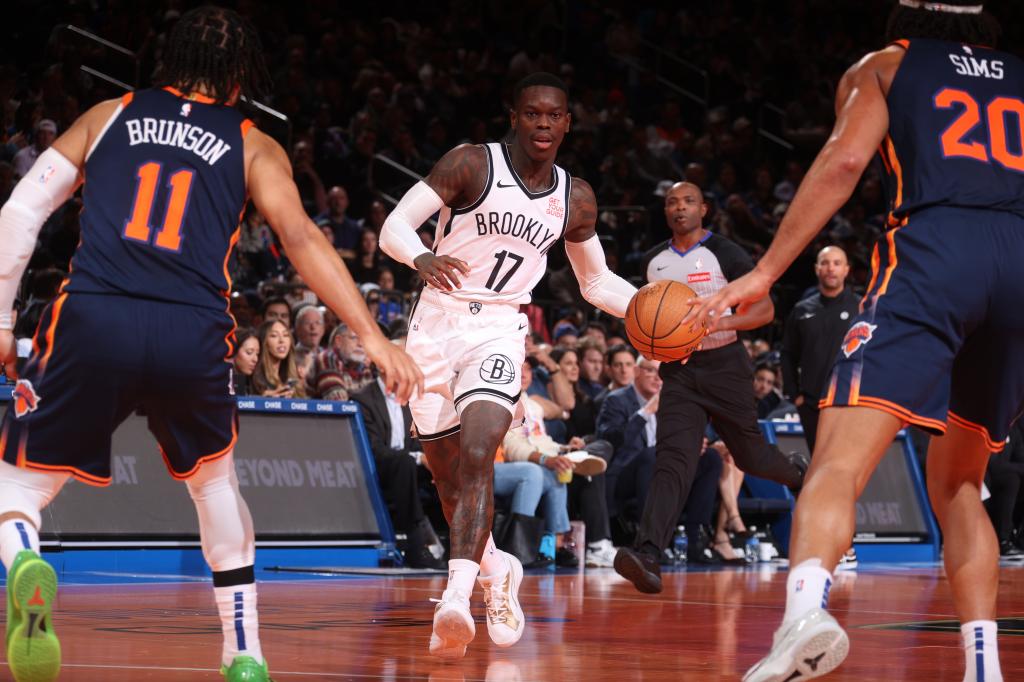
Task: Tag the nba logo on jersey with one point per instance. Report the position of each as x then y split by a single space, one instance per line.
186 109
497 369
799 586
25 398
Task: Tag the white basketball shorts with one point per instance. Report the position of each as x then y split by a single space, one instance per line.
468 351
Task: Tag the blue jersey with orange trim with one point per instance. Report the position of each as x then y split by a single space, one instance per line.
163 197
956 121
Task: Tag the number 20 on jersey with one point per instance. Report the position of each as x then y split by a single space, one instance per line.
999 113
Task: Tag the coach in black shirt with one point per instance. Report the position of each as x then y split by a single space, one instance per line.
813 334
716 383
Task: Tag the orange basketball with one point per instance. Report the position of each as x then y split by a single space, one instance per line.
653 321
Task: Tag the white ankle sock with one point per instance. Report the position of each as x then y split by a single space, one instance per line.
806 588
981 652
239 621
16 535
493 563
462 575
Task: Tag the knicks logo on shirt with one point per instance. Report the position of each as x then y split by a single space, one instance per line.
698 277
858 336
25 398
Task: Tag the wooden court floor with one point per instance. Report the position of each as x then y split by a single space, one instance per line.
581 626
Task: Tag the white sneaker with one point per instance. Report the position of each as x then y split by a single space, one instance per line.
848 562
505 620
811 646
453 625
600 554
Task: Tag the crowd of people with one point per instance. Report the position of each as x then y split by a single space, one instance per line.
366 93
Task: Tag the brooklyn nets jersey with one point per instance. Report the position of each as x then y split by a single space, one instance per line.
505 235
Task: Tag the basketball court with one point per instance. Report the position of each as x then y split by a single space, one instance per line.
707 625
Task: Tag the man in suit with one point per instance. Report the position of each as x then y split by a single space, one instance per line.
628 420
396 455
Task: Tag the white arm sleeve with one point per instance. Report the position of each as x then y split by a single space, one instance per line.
47 185
599 285
398 237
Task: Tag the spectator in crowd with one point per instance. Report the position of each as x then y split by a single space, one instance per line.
305 359
247 356
376 214
591 355
596 331
45 134
309 327
311 188
366 263
341 369
277 308
345 231
275 375
729 520
397 457
582 417
566 335
814 332
770 403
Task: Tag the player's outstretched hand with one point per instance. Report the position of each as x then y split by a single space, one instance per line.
8 352
740 293
402 377
441 271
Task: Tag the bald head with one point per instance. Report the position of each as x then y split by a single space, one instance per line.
831 268
684 208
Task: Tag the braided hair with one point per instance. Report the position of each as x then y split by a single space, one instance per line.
973 29
216 49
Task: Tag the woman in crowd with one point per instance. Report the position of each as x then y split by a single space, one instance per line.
365 266
247 356
276 375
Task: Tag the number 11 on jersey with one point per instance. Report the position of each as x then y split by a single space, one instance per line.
137 226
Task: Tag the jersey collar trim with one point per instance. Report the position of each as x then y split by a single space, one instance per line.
519 181
683 254
194 96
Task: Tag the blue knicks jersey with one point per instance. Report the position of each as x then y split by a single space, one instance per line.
956 115
163 197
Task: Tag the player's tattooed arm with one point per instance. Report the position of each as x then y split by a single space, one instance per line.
582 212
459 177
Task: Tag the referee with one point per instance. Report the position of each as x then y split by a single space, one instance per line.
813 333
716 383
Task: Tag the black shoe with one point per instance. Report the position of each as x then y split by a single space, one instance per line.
640 569
801 462
700 549
566 558
541 561
422 558
1008 550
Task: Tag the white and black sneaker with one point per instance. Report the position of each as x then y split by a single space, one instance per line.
808 647
849 560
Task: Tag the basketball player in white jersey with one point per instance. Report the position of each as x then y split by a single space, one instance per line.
502 208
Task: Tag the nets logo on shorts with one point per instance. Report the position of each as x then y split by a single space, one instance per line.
858 336
475 307
497 369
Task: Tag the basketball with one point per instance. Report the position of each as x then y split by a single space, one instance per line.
653 321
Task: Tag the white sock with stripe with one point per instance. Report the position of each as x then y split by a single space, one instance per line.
492 563
239 621
981 653
16 535
806 588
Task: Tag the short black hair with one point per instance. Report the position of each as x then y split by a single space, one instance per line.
274 301
973 29
216 48
539 78
609 356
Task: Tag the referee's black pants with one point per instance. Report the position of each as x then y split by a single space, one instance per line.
715 384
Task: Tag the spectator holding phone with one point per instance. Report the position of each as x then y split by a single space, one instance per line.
276 375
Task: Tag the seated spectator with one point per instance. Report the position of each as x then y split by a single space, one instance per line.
582 419
385 309
396 455
247 355
770 403
342 369
591 354
366 262
596 331
549 384
566 335
304 361
309 327
729 519
620 361
275 375
277 308
1005 480
345 230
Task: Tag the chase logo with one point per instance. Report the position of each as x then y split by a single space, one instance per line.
25 398
858 336
497 369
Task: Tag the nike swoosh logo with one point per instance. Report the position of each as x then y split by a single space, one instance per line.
661 268
501 186
522 326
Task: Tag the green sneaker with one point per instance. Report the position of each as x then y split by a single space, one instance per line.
33 650
246 669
